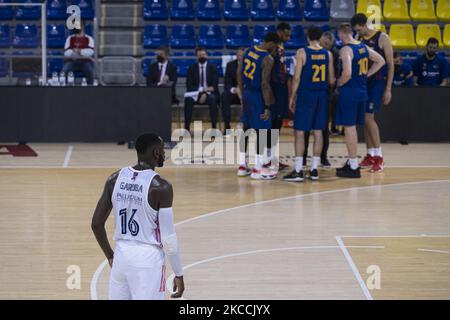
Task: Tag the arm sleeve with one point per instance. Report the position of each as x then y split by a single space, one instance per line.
169 240
89 51
67 50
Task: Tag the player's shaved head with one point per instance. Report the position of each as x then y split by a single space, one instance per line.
150 149
272 37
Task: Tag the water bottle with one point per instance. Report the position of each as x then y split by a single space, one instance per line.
62 79
83 82
28 82
95 83
55 80
70 79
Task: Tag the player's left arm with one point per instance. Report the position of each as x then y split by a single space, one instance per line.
377 60
267 66
331 74
444 72
389 55
100 216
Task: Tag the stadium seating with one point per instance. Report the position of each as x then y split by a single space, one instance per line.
27 12
409 56
26 36
145 63
364 5
260 31
325 27
262 10
183 37
289 10
422 10
4 66
235 10
5 36
402 36
216 58
316 10
56 35
186 59
209 10
6 12
342 9
182 10
211 37
155 10
298 38
443 10
446 37
396 10
57 10
54 64
155 35
237 36
87 8
426 31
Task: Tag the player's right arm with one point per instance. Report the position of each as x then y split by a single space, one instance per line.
162 192
100 216
240 84
346 55
266 74
331 73
299 62
378 62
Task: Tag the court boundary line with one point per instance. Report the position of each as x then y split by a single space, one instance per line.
244 253
68 156
353 267
102 265
433 251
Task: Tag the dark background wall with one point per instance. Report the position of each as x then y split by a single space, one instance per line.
83 114
110 114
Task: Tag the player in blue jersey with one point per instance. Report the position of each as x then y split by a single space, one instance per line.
314 72
254 73
352 86
378 86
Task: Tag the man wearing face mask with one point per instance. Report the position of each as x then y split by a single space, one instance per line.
163 72
79 49
403 74
202 77
431 69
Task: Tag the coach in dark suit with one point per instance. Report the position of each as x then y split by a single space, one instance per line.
229 96
163 72
202 77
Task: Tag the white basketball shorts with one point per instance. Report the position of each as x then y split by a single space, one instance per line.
138 272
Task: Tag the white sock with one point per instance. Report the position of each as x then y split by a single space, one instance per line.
371 151
258 161
353 163
378 152
298 164
315 163
242 161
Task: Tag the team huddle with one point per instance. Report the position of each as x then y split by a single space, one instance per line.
363 85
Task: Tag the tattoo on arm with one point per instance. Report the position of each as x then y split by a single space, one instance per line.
267 66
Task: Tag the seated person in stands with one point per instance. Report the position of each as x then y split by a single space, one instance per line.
163 72
229 95
79 49
202 77
403 74
430 69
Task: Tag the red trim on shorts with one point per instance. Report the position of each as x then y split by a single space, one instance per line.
162 285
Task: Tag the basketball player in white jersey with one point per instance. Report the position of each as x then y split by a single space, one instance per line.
144 232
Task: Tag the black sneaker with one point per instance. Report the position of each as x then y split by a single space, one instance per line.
314 175
347 172
345 167
294 176
325 163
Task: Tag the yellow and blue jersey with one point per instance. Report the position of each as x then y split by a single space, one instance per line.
356 87
252 67
315 71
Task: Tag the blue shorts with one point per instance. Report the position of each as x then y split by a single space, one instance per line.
375 92
350 112
311 112
281 107
253 107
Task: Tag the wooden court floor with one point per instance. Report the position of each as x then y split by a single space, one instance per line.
385 236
